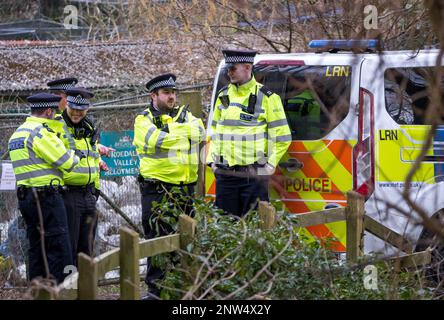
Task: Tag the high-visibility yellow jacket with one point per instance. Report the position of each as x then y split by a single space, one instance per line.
168 145
87 171
243 135
38 155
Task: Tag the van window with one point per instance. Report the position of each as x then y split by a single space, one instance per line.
407 95
315 98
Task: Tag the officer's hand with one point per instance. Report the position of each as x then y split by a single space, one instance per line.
213 167
105 151
103 166
266 170
79 154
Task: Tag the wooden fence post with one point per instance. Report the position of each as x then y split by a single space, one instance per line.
129 265
88 275
354 214
267 214
187 230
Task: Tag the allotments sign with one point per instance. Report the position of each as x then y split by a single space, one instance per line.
124 161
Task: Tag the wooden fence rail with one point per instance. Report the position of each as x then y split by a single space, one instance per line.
84 283
356 224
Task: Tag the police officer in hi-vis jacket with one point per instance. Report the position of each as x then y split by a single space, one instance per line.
39 159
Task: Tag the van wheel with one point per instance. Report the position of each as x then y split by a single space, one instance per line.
434 272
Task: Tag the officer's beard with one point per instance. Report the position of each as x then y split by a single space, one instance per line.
165 107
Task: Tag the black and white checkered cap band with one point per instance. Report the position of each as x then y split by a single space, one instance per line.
44 105
63 86
239 59
162 84
77 100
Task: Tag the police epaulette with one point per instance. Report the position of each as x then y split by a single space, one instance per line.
266 91
143 113
221 89
48 128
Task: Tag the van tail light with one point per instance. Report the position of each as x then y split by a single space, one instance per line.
363 152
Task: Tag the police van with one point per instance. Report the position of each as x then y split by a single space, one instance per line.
358 122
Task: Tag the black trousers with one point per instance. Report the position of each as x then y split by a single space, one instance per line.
156 192
56 239
80 207
237 194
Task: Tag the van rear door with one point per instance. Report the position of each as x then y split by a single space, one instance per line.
317 170
402 125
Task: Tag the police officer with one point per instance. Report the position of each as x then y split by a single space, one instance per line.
39 159
82 183
59 86
167 139
250 134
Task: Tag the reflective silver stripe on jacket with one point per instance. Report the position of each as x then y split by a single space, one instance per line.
62 159
74 163
24 130
235 104
258 106
90 153
241 137
85 170
27 162
277 123
240 123
29 143
147 137
38 173
94 154
283 138
160 155
159 141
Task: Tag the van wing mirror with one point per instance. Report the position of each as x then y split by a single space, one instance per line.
291 164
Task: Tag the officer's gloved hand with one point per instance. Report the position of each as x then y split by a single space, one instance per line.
266 170
79 154
213 167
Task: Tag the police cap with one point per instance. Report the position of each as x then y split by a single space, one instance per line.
77 98
167 80
43 100
238 56
62 84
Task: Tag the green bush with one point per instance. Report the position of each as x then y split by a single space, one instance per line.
234 258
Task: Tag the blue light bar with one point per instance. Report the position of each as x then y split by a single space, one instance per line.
343 44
